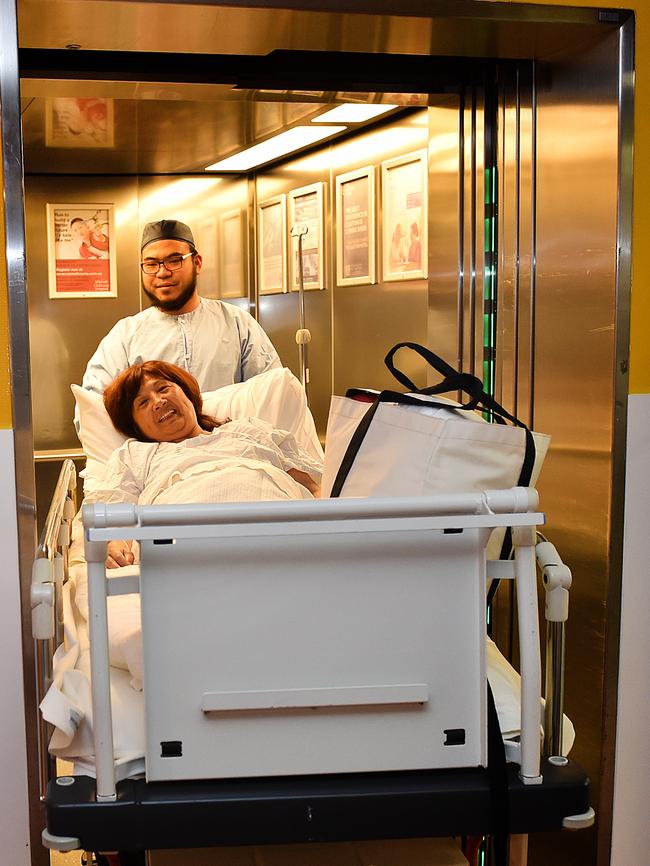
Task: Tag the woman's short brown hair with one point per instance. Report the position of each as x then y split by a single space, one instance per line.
120 395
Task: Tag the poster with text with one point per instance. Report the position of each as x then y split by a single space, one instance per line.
355 227
81 251
272 244
404 217
81 122
232 255
306 217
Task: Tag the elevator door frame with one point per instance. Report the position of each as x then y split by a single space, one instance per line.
15 245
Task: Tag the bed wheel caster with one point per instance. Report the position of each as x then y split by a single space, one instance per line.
59 843
579 822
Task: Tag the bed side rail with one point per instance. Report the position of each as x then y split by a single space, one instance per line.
556 577
49 572
514 507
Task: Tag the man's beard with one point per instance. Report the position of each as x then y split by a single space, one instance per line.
175 304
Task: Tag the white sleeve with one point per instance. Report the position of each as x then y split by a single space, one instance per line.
292 455
257 351
123 479
110 358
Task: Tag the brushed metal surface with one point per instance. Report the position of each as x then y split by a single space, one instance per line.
557 289
399 27
65 332
574 316
169 128
445 240
17 338
368 320
619 438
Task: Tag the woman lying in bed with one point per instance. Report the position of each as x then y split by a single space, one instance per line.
177 454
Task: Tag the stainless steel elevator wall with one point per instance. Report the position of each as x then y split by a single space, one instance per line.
574 359
558 163
352 327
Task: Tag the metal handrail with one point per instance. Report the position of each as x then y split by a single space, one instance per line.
54 455
66 489
48 574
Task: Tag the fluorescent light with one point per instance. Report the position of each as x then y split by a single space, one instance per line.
352 112
293 139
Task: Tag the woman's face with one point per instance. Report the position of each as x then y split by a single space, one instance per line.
163 412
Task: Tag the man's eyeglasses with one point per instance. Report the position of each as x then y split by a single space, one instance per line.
171 263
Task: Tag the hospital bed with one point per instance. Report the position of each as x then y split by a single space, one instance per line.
313 671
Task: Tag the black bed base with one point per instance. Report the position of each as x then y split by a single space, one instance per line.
286 810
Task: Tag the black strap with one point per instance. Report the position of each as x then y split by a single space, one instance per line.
498 778
453 382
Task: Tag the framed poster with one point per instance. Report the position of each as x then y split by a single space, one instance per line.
207 247
81 251
355 227
404 218
272 245
306 208
232 254
72 121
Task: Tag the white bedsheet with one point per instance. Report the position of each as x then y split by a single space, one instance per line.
242 461
68 703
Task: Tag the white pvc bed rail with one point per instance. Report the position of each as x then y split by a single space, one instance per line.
514 507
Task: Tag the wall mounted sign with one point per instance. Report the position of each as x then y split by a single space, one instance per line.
81 251
272 245
404 217
306 207
355 227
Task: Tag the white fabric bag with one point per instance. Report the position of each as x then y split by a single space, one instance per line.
414 444
411 451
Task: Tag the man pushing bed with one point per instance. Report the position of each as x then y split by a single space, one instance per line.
218 343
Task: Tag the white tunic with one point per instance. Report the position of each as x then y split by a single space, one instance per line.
244 460
218 343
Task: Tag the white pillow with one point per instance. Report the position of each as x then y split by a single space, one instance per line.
275 396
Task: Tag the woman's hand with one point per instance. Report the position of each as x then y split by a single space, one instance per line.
306 481
119 553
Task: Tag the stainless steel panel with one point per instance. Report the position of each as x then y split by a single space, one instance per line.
558 251
401 26
619 438
473 191
161 135
13 248
166 128
369 320
279 313
574 321
65 332
444 224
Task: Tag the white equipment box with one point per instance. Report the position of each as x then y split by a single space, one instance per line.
319 652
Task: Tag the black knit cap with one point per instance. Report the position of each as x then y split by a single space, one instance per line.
163 230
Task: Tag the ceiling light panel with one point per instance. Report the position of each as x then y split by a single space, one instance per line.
280 145
352 112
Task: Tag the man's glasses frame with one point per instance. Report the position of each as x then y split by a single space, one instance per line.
150 267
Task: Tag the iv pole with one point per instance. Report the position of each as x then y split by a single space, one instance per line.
303 335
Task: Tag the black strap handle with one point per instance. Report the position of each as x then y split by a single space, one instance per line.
453 382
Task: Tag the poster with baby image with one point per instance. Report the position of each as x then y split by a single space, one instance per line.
404 224
79 122
81 251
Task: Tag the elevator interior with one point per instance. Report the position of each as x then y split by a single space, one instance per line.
523 168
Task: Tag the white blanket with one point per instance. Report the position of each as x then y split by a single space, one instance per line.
242 461
68 703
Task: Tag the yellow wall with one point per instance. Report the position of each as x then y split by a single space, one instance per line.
640 324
